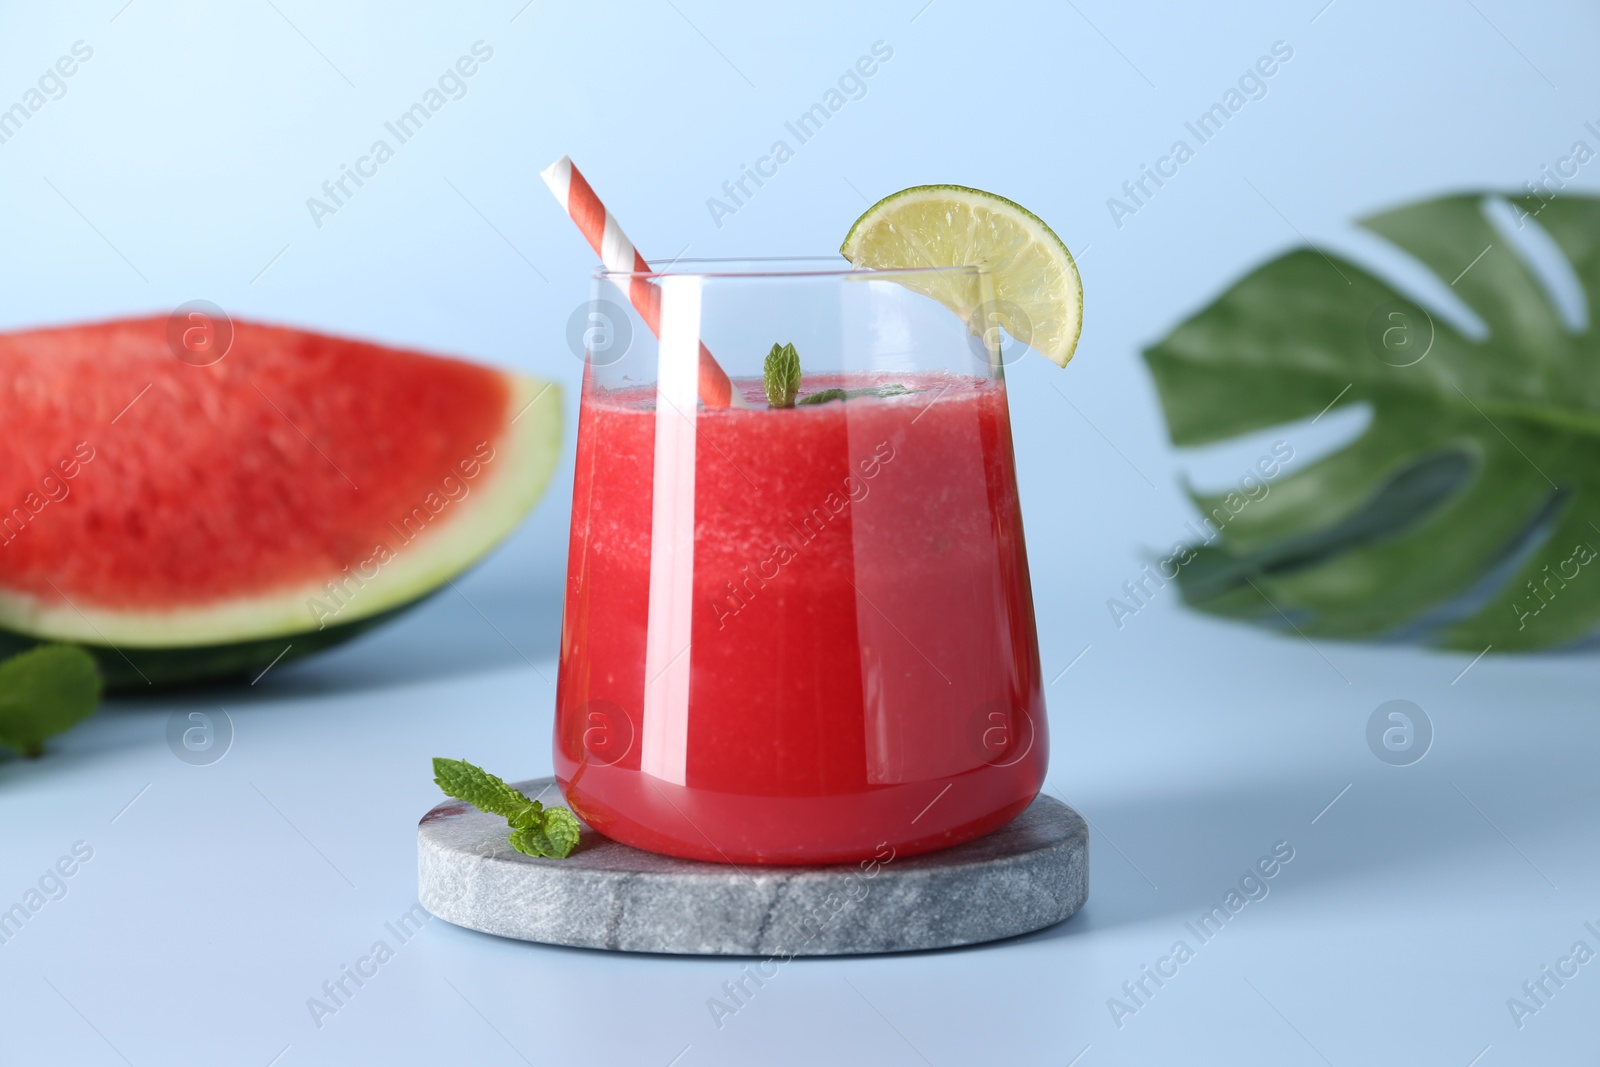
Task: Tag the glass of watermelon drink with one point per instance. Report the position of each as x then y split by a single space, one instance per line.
804 634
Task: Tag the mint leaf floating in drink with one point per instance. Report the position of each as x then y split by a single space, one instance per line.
822 396
535 829
43 692
781 376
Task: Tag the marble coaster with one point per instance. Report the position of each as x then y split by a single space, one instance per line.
1029 874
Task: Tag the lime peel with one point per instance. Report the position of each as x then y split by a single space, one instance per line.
1038 296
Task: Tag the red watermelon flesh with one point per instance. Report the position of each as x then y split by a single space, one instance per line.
260 477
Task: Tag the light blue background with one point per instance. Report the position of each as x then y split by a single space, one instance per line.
181 158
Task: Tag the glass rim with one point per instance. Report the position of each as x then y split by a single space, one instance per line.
721 268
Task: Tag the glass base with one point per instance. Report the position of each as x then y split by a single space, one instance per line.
698 824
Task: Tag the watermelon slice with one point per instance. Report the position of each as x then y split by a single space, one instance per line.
188 522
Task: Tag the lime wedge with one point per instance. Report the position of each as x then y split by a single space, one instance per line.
1038 296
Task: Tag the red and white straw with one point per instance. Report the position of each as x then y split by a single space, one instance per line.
617 253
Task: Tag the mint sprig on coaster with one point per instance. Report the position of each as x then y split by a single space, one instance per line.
535 829
43 692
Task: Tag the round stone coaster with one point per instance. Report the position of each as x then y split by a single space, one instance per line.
1029 874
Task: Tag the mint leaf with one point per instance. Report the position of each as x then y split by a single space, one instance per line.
478 787
822 396
529 816
532 840
561 830
44 691
781 376
535 829
825 395
554 835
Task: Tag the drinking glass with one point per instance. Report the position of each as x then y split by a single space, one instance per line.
797 635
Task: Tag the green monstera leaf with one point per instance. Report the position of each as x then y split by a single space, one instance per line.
1467 514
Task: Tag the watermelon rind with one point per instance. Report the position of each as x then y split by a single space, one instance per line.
128 670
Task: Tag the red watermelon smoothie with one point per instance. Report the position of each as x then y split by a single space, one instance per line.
816 643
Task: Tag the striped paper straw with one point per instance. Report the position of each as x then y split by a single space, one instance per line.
617 253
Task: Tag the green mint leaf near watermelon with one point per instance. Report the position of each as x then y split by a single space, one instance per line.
44 692
189 523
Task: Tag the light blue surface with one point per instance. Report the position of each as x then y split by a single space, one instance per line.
177 165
